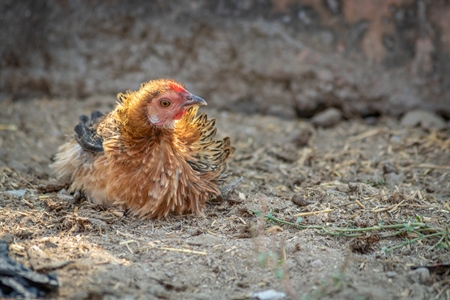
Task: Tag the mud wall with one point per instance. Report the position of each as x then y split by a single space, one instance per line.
284 57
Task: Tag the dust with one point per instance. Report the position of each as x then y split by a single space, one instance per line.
337 213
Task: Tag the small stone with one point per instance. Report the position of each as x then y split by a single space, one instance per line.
8 238
296 181
63 195
316 263
419 275
16 193
327 118
127 297
344 188
388 168
49 244
353 186
99 224
300 137
300 200
62 192
281 111
269 295
391 274
423 118
406 251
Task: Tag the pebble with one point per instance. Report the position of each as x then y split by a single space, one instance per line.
300 200
391 274
420 275
327 118
423 118
269 295
344 188
16 193
8 238
316 263
353 186
300 137
63 195
99 224
388 168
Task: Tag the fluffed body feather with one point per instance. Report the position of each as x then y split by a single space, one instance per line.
123 159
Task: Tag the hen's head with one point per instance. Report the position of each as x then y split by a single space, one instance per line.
170 103
162 101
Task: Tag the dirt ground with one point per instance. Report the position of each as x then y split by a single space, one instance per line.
339 213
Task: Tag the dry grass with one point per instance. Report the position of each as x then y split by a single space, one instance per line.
319 214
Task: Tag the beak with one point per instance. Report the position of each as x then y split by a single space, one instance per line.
193 100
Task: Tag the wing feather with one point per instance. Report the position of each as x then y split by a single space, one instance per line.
86 133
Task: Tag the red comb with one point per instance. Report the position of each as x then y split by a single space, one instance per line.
176 87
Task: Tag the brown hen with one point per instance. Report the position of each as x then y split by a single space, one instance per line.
151 154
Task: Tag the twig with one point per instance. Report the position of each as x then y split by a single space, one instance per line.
179 250
359 204
381 209
313 212
430 166
365 135
124 234
397 205
128 242
11 127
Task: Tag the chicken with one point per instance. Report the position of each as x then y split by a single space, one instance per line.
151 154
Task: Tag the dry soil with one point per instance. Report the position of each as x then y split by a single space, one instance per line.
340 213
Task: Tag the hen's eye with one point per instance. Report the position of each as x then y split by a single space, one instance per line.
164 103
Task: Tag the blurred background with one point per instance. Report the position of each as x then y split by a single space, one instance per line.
369 70
289 58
